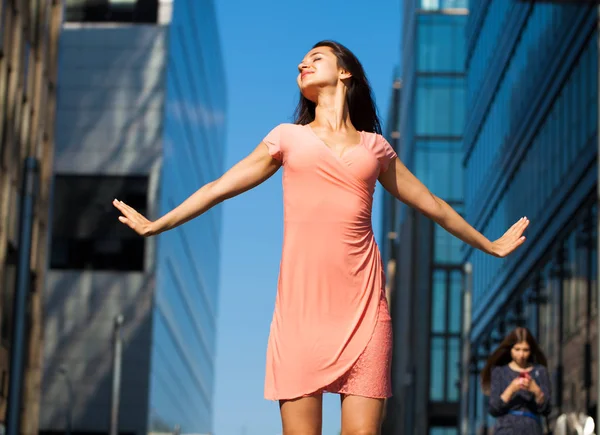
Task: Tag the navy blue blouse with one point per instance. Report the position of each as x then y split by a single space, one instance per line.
509 424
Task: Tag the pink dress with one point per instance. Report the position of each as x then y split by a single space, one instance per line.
331 327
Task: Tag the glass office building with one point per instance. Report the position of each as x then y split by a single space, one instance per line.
185 313
140 118
530 150
427 285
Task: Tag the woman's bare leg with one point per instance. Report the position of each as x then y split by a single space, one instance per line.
302 416
361 415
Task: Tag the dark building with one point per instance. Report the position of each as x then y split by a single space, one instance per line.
531 150
426 286
29 32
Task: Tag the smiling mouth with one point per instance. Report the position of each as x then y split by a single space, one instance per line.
305 74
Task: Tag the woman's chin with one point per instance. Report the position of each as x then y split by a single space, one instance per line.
309 92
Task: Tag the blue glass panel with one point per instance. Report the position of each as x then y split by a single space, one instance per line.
441 43
440 106
438 302
184 335
443 4
438 165
453 369
437 376
455 310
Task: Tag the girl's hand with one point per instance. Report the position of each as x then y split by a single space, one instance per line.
537 392
511 240
517 384
134 220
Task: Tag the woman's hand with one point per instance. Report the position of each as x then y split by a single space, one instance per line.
134 220
246 174
536 390
520 383
511 239
516 385
404 186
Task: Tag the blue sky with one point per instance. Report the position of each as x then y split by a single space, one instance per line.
263 41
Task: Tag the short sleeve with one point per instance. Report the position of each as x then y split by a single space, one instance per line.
385 152
273 142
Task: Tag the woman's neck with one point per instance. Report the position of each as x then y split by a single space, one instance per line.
517 367
331 111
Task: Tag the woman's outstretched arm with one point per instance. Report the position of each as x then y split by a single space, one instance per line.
246 174
403 185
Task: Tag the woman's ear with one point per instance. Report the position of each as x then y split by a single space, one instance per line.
345 74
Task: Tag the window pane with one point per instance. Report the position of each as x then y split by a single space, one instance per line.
438 302
443 431
455 313
453 361
85 231
444 4
440 106
438 164
437 375
126 11
441 40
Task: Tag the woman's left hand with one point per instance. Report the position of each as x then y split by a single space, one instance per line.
533 386
536 390
511 239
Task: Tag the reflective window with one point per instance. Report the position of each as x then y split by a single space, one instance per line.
443 431
446 318
439 302
127 11
438 164
441 43
188 277
85 231
440 106
443 4
437 376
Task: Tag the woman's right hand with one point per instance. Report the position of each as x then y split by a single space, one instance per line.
246 174
519 383
134 220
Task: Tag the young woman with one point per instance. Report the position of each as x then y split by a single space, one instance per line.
517 381
331 329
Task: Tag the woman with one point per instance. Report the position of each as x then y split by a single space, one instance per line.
516 379
331 329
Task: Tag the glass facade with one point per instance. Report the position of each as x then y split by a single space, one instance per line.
184 325
530 150
429 277
437 161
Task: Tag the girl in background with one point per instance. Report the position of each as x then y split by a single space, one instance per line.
516 379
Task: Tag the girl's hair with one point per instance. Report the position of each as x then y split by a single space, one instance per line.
501 356
359 98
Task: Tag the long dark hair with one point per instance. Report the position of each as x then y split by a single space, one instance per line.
501 356
359 98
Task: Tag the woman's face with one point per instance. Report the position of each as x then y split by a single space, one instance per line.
319 69
520 353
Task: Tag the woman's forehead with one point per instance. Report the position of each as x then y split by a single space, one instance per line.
318 50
